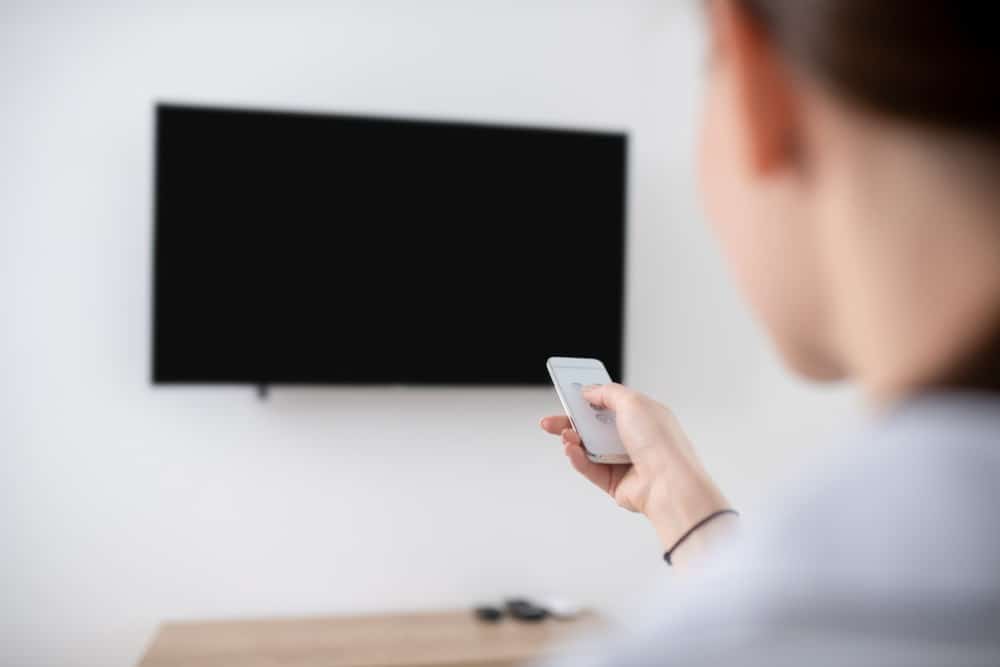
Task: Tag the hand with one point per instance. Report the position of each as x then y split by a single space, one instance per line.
665 480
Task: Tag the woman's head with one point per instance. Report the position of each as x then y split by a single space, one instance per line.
833 129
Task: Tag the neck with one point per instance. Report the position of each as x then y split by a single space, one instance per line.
913 231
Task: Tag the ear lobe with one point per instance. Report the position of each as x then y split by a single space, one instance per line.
764 88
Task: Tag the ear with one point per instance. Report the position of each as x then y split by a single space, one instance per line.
764 87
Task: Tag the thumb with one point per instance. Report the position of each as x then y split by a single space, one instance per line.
611 395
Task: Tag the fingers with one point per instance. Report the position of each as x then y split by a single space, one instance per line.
555 424
596 473
570 437
573 448
610 395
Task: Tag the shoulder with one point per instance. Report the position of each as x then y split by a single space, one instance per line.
910 511
914 497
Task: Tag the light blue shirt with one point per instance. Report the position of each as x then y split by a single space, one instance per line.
891 557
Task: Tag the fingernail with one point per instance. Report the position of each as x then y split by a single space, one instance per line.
589 387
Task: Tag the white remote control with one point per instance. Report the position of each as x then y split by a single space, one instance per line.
596 426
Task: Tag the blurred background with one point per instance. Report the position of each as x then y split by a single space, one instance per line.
125 504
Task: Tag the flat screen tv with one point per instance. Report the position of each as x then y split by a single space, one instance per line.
305 248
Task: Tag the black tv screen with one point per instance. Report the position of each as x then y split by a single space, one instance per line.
302 248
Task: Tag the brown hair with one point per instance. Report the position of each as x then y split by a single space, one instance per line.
932 62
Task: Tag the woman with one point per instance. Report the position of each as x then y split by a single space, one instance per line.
851 166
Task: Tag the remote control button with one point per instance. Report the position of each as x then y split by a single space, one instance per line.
578 386
605 418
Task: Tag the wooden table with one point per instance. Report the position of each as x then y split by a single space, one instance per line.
448 639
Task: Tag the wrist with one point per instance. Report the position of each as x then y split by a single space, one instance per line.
701 536
674 506
702 541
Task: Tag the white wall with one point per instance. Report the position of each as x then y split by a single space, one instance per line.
123 505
